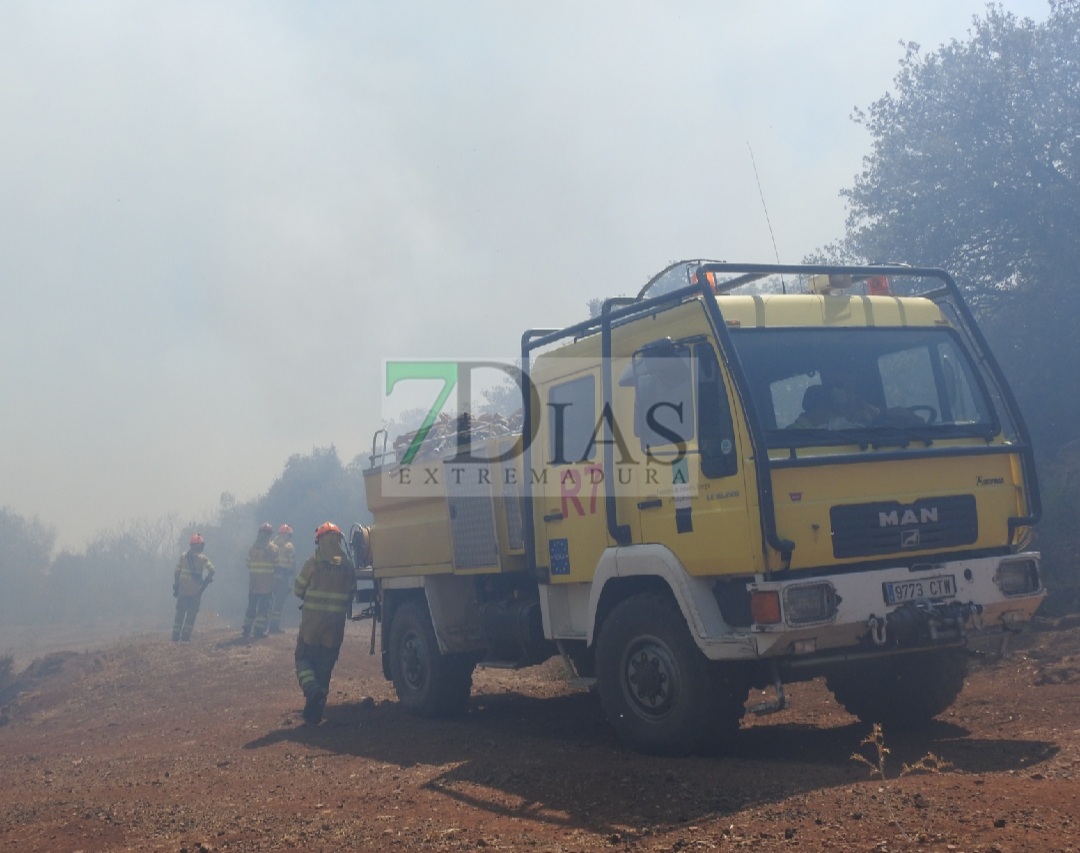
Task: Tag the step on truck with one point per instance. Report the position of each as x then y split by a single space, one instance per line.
745 476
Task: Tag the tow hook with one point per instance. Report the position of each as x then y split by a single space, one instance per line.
930 621
877 630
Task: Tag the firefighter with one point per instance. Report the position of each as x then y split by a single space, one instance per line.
816 409
262 562
284 575
848 407
326 586
193 574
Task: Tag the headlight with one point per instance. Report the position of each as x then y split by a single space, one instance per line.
1019 577
812 602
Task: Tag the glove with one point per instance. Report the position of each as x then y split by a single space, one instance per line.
206 583
175 589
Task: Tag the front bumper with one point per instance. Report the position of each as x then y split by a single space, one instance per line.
929 604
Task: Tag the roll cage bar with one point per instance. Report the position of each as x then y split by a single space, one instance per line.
727 277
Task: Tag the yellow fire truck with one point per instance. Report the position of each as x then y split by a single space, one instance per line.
746 476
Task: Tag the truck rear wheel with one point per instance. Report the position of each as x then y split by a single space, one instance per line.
427 682
903 692
659 692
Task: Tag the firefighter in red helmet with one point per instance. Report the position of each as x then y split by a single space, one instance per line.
284 575
326 585
193 574
262 562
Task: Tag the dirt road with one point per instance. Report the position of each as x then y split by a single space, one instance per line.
147 745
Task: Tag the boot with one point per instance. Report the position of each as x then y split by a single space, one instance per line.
313 709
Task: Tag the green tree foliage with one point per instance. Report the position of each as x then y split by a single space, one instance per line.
25 544
7 679
1060 531
124 576
25 551
312 488
975 167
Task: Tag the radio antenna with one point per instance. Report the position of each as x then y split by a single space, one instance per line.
783 284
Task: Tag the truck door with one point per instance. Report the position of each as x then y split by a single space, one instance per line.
691 492
568 482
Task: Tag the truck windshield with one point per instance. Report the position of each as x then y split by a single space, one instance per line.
872 386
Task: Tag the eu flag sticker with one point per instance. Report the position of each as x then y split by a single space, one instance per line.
559 553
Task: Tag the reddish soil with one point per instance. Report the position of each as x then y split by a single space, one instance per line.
147 745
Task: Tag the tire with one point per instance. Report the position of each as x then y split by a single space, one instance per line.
427 682
658 691
903 692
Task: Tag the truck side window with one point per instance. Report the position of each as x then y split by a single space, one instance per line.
663 396
716 435
571 409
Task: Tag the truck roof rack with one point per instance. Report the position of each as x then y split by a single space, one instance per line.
704 278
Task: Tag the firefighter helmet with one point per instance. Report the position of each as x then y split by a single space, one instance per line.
327 527
266 527
285 530
196 540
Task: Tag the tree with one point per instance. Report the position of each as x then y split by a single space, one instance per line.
25 544
975 167
312 489
25 550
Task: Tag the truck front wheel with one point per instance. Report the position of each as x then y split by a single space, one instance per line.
427 682
903 692
658 691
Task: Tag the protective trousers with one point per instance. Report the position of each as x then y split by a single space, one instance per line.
283 584
257 611
314 663
187 608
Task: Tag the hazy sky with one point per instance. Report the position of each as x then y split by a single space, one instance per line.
218 219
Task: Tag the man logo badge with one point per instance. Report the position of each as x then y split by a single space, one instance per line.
909 539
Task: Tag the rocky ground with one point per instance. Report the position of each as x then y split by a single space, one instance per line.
146 745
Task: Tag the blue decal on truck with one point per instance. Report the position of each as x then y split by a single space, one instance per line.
559 553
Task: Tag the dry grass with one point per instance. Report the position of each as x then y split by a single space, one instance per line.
876 760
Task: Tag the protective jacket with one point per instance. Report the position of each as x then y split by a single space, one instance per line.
286 555
326 583
193 572
261 560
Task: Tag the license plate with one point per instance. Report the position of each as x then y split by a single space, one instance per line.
939 586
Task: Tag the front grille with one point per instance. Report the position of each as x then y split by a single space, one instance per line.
890 527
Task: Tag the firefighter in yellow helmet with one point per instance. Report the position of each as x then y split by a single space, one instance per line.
193 574
284 575
326 585
261 562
